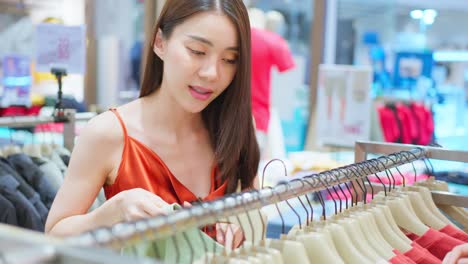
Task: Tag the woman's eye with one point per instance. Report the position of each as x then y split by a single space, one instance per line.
233 61
196 52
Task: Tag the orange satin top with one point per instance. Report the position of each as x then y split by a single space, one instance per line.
141 167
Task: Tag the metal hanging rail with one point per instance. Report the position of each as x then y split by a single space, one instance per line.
209 212
68 128
363 148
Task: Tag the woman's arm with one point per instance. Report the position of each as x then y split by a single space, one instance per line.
90 163
97 153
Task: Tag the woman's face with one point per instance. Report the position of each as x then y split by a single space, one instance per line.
200 59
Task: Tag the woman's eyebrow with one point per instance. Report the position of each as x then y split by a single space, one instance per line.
206 41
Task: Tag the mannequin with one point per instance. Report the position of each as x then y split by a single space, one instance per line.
257 18
275 22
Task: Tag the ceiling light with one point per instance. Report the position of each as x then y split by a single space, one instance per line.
416 14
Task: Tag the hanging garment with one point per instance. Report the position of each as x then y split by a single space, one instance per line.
400 258
153 175
34 176
26 214
409 131
439 244
423 120
181 248
7 212
268 49
455 233
50 170
33 197
420 255
55 158
389 124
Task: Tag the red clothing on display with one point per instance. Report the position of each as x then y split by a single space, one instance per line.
439 244
425 123
389 124
268 50
142 168
455 233
409 130
400 258
420 255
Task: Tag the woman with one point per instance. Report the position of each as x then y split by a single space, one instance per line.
189 137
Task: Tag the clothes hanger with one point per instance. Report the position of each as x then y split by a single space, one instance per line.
239 253
419 205
403 213
292 251
354 231
266 255
395 241
367 220
343 243
374 254
348 251
319 245
386 210
426 194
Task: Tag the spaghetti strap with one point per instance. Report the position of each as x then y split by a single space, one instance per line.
124 128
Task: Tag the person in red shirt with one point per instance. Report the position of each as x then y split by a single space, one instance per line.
268 50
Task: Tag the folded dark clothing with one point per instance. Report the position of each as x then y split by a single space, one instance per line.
452 177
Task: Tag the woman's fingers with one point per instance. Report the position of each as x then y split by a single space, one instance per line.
152 209
230 235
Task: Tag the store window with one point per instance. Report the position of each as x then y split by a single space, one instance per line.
418 52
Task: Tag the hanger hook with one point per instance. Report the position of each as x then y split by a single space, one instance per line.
338 172
277 208
319 194
308 201
375 164
363 168
387 158
350 180
325 184
366 168
398 159
269 163
290 206
329 172
356 171
385 170
412 163
299 198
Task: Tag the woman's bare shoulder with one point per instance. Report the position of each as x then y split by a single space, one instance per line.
104 128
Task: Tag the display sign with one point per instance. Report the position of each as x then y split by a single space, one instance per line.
60 46
344 105
16 81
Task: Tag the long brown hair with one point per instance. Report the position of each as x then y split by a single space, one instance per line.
229 117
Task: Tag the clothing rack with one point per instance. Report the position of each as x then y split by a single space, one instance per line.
70 115
209 212
18 245
364 148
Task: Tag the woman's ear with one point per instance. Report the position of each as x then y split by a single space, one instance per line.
159 44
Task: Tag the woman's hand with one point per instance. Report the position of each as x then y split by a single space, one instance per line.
227 234
137 203
458 255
